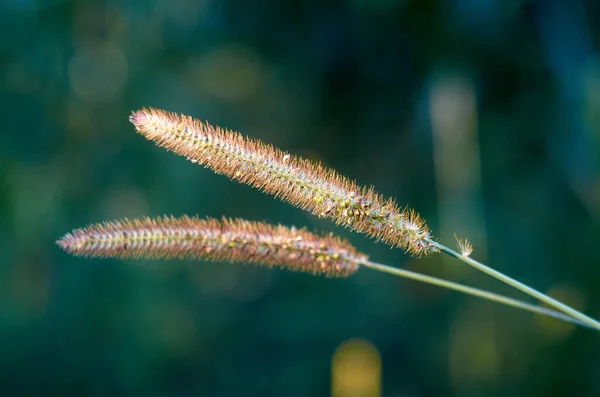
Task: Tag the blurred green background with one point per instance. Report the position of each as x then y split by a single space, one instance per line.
483 115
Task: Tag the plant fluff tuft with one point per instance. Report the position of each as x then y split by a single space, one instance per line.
233 240
303 183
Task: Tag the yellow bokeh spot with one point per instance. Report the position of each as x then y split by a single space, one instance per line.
356 369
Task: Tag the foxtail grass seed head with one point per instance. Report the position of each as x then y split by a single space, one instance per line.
302 183
232 240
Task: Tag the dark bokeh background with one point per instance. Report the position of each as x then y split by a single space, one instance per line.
482 115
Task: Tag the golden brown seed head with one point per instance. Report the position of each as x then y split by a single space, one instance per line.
233 240
302 183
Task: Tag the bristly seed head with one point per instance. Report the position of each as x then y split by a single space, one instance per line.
230 240
298 181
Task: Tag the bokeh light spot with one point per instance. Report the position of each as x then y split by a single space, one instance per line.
356 369
98 73
230 73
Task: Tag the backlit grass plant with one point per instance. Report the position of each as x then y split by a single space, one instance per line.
300 182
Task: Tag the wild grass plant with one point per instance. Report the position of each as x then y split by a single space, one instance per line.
302 183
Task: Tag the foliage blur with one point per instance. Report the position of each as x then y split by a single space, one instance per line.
483 115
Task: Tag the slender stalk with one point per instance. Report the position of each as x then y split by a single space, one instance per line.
490 296
520 286
237 240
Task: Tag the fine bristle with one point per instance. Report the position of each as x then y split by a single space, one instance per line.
302 183
464 246
233 240
63 243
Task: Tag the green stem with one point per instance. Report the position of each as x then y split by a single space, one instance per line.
475 292
518 285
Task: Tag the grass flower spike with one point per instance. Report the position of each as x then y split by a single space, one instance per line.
233 240
243 241
312 187
300 182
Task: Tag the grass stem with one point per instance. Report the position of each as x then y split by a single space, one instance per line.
520 286
490 296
